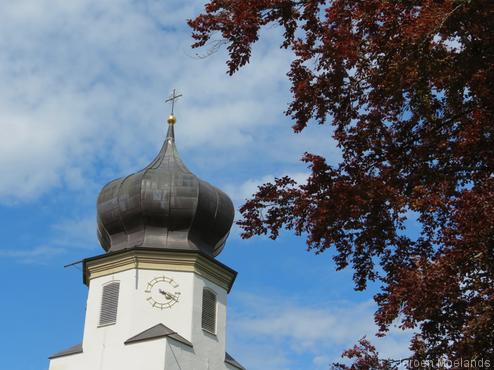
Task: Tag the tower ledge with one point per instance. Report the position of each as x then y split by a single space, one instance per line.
159 259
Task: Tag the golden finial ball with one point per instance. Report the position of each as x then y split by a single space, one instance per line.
172 119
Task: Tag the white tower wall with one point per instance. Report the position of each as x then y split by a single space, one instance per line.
104 348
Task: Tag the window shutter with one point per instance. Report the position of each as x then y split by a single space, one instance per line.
209 311
109 304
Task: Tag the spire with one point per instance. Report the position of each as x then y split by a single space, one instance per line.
170 134
168 150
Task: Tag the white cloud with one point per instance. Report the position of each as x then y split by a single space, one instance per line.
321 362
245 190
83 89
290 327
67 236
39 255
76 233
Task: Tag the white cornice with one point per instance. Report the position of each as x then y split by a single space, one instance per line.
158 259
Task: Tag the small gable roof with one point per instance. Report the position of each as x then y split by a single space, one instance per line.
156 332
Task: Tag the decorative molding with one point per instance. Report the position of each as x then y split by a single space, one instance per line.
159 259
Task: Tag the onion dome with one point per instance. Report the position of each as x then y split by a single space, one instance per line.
164 206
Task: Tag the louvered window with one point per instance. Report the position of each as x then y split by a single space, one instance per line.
209 311
109 304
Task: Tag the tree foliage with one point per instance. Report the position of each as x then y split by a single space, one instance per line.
365 357
407 88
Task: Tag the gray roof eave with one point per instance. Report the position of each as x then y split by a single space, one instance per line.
67 352
231 361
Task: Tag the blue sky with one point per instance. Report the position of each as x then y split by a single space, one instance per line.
81 103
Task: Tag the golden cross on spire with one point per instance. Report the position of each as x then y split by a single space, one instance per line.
172 98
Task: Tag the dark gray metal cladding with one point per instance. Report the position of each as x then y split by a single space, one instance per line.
164 206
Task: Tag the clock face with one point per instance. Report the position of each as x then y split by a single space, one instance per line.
162 292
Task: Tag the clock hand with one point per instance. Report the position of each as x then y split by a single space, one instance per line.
172 296
169 295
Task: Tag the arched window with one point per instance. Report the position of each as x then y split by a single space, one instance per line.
109 304
209 311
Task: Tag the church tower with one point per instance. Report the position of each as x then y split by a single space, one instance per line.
157 298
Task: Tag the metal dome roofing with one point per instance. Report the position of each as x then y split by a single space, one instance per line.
164 206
